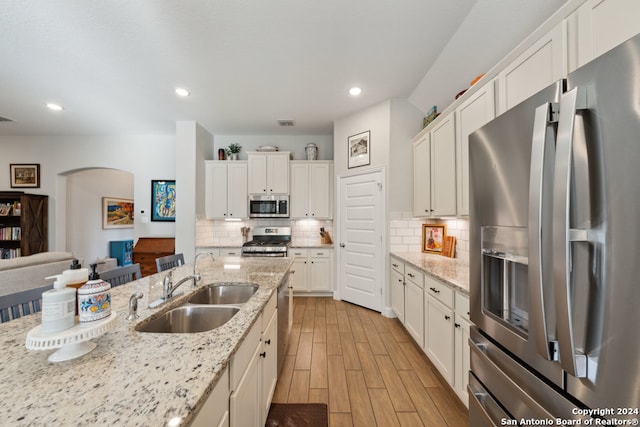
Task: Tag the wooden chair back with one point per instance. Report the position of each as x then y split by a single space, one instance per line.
14 306
169 261
121 275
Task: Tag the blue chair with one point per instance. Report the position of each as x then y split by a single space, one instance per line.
14 306
169 261
121 275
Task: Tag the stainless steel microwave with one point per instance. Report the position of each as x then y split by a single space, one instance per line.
268 206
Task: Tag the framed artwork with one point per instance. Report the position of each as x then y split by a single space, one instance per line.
117 213
433 237
359 149
25 175
163 200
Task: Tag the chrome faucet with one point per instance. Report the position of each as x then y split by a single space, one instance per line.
195 260
133 305
169 288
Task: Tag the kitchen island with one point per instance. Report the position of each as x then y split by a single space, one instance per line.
133 378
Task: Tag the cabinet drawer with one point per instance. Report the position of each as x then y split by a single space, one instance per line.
439 291
269 309
319 253
397 266
462 305
298 252
230 251
414 275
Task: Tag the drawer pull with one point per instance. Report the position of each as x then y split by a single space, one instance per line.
410 275
447 317
437 291
457 325
395 265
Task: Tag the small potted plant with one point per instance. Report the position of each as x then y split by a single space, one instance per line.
233 150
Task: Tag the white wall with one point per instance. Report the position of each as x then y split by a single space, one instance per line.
85 189
146 156
293 143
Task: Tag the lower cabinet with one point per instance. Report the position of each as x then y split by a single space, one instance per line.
313 272
215 411
437 317
439 342
253 372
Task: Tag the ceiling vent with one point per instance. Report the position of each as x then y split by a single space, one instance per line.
4 119
286 123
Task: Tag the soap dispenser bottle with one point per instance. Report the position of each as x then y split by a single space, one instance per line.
58 306
94 298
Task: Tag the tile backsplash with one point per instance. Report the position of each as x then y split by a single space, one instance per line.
406 235
227 233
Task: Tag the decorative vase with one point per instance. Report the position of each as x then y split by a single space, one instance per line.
221 154
311 151
233 156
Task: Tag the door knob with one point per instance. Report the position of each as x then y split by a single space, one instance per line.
342 245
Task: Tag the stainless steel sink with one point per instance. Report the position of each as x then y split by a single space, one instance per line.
189 319
226 293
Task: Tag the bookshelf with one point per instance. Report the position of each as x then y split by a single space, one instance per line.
23 224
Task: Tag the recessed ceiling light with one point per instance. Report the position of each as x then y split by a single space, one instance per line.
182 92
54 107
355 91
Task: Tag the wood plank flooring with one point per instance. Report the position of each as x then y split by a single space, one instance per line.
366 367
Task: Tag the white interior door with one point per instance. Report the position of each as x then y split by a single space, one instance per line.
361 249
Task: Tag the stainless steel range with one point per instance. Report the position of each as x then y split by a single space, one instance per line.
268 242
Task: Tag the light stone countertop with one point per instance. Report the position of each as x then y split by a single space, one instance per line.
132 378
449 270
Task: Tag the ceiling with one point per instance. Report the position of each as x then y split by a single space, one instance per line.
114 65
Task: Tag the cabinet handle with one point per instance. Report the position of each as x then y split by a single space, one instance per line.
312 262
447 317
435 290
268 342
410 275
263 354
395 265
457 325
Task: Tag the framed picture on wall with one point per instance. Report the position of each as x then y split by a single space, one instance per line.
117 213
25 175
433 237
163 200
359 149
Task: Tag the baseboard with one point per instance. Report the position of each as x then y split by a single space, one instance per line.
388 312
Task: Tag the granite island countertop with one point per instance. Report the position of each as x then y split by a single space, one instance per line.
132 378
449 270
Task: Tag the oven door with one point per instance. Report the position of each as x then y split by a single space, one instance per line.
265 254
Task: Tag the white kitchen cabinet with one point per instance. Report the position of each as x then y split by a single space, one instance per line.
422 176
472 114
434 168
226 189
244 402
215 411
439 336
313 270
268 173
544 63
311 187
462 357
414 304
602 25
269 359
397 289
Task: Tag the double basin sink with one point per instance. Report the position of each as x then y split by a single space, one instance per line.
208 308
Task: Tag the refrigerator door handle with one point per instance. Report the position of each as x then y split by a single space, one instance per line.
571 361
539 259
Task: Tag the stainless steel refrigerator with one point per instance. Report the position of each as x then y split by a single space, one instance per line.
555 252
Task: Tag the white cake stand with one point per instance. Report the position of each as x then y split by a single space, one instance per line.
73 342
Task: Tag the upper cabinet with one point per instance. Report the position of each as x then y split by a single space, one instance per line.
602 25
470 116
434 168
311 185
269 173
539 66
226 189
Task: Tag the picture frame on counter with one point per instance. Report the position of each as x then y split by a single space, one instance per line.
25 175
433 236
117 213
359 149
163 200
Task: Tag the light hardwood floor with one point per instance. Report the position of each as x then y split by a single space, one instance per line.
366 367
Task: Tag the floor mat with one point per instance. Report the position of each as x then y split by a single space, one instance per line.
297 415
